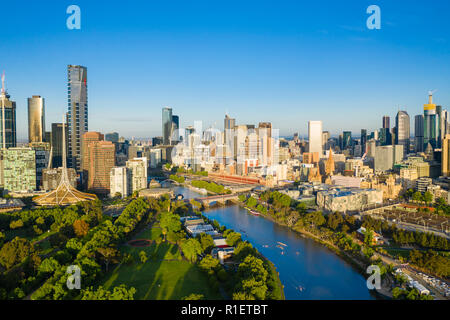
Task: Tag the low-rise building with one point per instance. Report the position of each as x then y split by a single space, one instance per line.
348 199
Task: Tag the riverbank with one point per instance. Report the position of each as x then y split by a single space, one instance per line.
358 265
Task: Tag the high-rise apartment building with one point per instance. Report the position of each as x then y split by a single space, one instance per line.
120 181
167 125
315 137
402 123
8 137
418 133
446 156
138 172
77 113
36 119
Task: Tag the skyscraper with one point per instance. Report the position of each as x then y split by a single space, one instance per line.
57 143
315 136
418 133
402 123
36 119
175 128
78 112
386 122
7 119
167 125
363 140
228 125
98 159
430 123
346 139
446 156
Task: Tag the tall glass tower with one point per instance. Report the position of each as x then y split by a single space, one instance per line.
418 133
402 123
431 123
8 138
166 125
78 112
36 119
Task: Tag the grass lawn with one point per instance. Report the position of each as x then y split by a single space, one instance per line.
155 251
150 234
160 280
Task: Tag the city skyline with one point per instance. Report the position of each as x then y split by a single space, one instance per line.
238 68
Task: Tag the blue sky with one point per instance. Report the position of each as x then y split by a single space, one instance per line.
281 61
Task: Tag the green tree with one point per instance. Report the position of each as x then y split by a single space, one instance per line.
191 248
428 197
15 251
170 222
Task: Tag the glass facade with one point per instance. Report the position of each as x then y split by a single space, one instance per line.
36 119
77 114
166 125
8 117
19 169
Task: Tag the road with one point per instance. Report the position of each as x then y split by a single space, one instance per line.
413 273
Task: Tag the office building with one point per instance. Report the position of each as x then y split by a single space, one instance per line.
346 140
51 178
97 161
155 158
167 125
402 123
19 169
386 122
57 145
431 124
113 137
77 113
8 137
418 133
363 140
387 156
175 129
36 119
315 137
42 156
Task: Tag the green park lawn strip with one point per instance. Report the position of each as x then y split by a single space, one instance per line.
160 279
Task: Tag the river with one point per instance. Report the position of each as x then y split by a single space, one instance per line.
308 270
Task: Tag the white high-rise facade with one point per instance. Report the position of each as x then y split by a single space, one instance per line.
315 137
120 181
